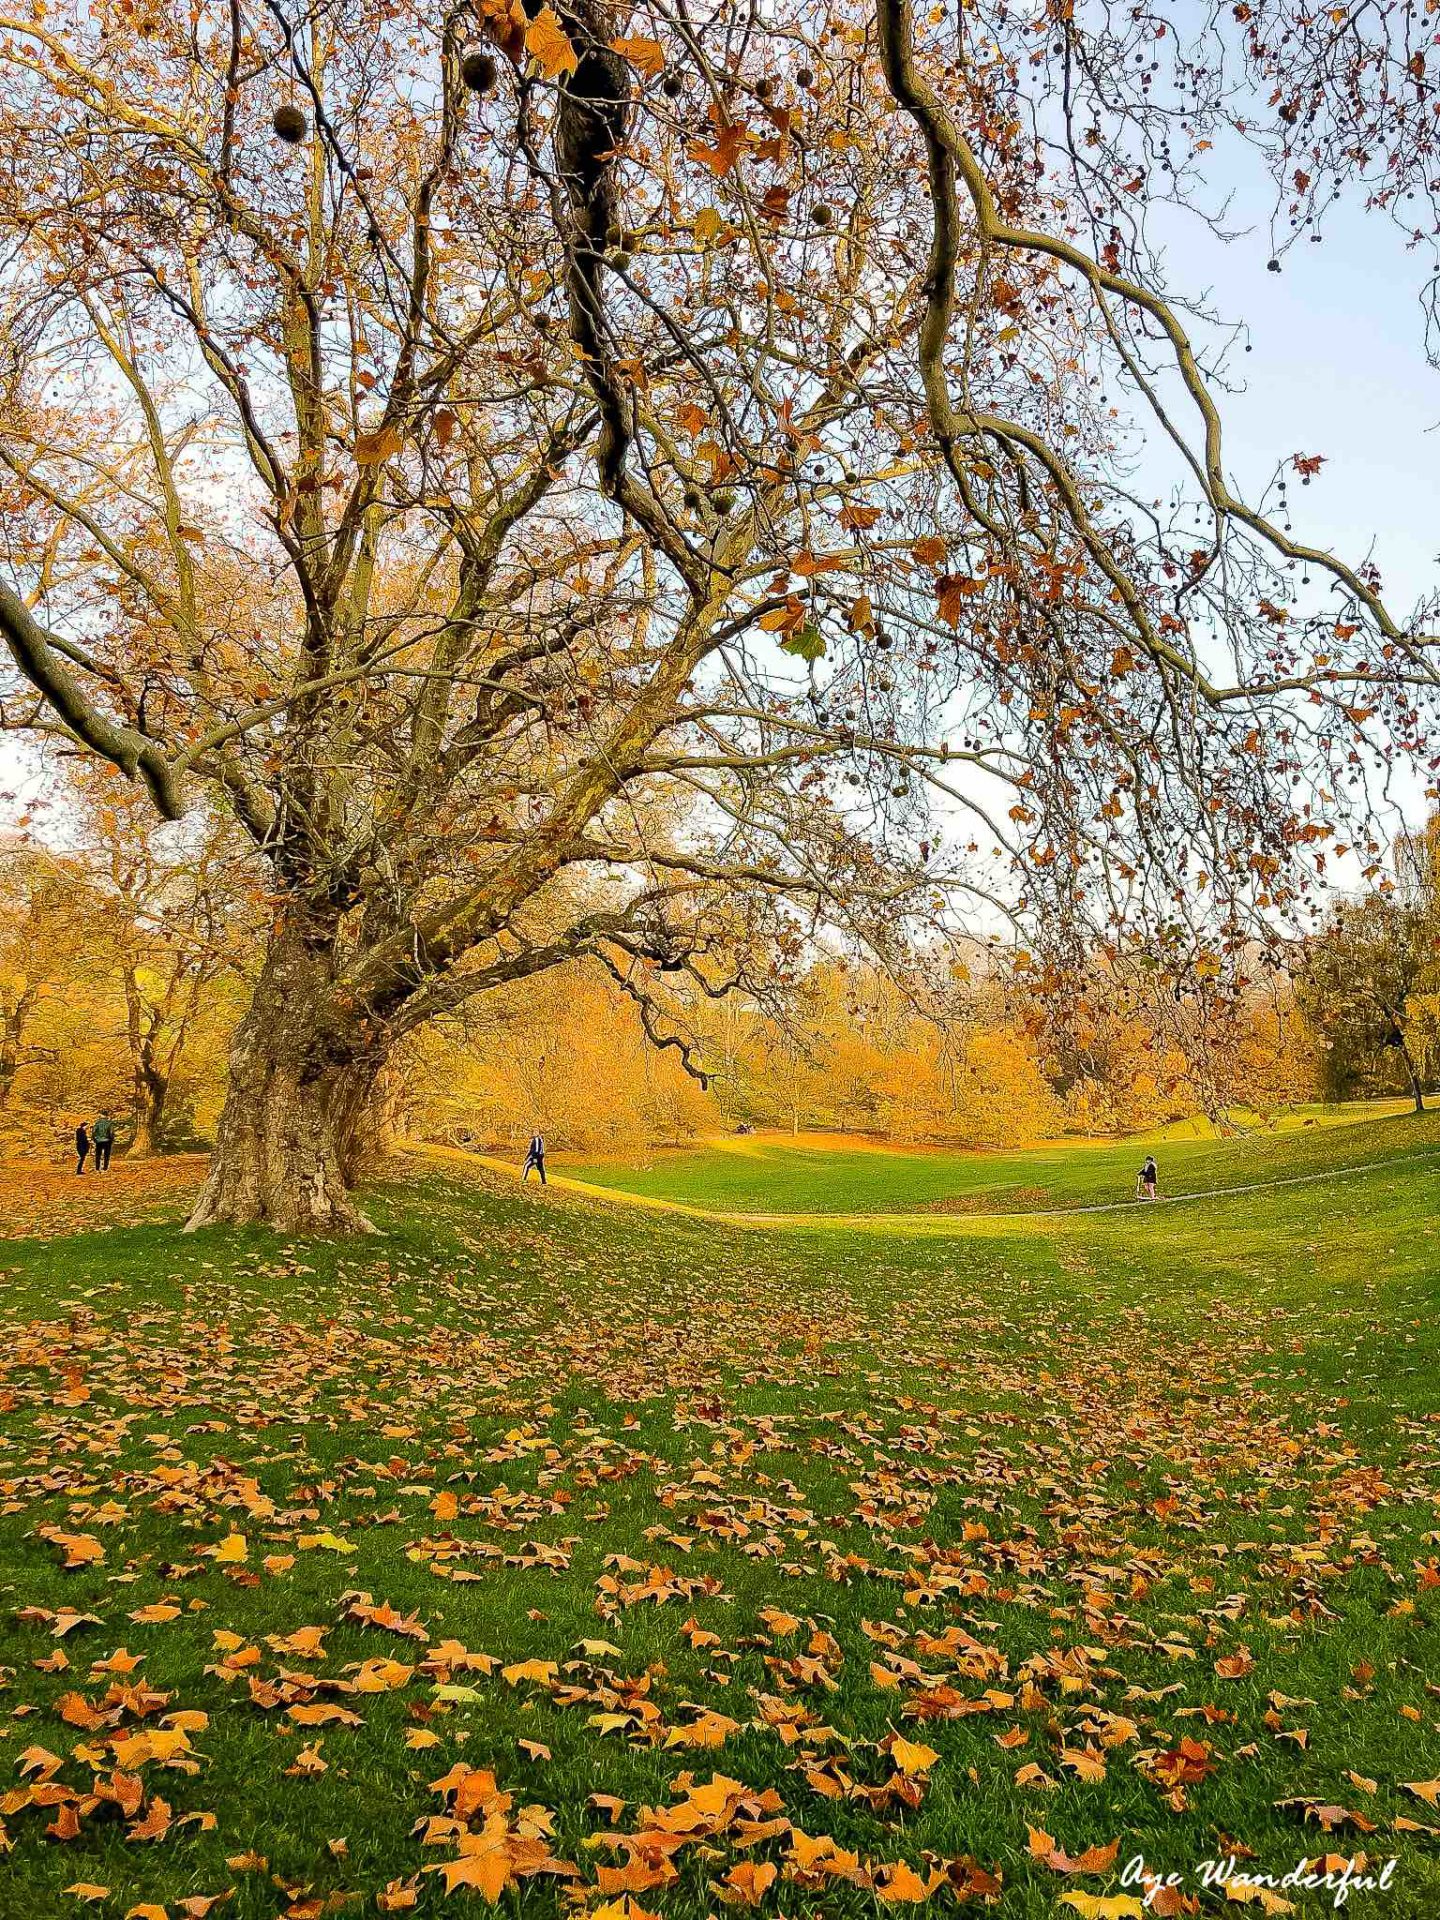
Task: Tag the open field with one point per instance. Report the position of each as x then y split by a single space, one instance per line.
771 1173
581 1555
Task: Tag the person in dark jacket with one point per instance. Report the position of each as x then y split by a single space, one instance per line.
82 1146
104 1137
535 1157
1149 1179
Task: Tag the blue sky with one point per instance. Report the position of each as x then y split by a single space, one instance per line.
1338 367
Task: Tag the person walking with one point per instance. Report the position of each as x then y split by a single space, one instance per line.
103 1135
82 1146
535 1157
1148 1179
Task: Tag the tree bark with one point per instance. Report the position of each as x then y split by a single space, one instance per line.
151 1092
1397 1040
150 1085
301 1073
1417 1092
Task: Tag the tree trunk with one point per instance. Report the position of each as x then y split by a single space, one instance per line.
301 1074
151 1089
1417 1092
12 1031
148 1106
1397 1040
143 1105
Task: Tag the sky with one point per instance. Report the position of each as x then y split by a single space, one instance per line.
1338 368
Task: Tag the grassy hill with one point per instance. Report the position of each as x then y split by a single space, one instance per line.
770 1173
952 1554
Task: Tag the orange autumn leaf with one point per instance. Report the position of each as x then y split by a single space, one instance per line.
645 55
155 1824
549 45
374 449
902 1886
910 1757
746 1884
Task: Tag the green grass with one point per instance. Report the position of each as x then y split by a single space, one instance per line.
770 1175
1110 1450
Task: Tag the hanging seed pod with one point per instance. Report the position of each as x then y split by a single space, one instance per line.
821 214
804 78
478 70
671 86
290 123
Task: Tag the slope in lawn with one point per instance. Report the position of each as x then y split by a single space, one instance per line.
769 1174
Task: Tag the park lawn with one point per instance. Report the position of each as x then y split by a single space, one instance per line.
769 1174
1117 1528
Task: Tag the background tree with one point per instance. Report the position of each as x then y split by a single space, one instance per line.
567 495
565 1053
173 916
43 951
1360 987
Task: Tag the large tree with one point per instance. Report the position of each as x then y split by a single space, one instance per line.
569 478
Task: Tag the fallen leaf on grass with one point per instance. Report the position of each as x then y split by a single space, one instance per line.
1104 1906
909 1756
746 1885
1095 1858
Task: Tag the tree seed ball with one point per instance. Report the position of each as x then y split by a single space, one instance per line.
804 78
725 502
290 123
692 500
478 71
621 261
821 215
671 85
